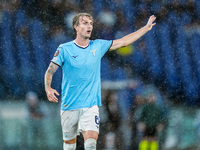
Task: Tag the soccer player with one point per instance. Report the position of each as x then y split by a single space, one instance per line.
81 90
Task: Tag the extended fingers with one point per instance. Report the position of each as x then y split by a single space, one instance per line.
151 22
52 98
153 18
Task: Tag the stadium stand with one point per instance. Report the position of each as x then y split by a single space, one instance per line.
166 57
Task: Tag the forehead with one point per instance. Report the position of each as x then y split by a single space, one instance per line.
85 18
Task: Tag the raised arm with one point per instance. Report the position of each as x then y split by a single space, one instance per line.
47 82
132 37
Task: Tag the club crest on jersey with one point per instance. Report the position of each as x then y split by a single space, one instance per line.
93 51
56 53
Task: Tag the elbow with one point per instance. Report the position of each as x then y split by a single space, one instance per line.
46 73
124 44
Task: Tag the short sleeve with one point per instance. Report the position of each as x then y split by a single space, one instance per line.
105 46
58 57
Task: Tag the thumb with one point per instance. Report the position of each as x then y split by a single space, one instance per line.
154 24
57 93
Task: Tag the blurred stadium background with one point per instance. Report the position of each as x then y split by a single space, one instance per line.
165 62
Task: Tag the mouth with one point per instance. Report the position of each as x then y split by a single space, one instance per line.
89 31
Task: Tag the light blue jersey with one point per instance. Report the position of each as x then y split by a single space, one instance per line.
81 73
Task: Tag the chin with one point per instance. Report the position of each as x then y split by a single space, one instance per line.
87 37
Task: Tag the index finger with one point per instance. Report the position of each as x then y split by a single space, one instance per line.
55 99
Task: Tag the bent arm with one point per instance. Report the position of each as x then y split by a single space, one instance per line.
132 37
47 82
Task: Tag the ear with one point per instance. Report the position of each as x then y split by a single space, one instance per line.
75 27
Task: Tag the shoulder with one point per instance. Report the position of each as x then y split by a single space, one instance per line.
67 44
63 48
100 41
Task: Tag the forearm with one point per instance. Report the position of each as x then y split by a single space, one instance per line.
49 75
48 79
130 38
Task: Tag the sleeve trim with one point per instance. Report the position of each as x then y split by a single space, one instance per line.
110 45
56 64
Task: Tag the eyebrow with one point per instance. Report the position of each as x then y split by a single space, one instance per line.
86 21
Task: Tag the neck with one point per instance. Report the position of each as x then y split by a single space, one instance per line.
82 42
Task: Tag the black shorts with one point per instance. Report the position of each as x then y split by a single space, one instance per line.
150 131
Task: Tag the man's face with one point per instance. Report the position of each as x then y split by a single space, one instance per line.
84 29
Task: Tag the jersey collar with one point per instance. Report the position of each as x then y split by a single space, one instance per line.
81 46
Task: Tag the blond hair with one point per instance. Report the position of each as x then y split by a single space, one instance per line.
76 18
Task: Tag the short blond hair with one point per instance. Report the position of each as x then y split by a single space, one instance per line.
76 18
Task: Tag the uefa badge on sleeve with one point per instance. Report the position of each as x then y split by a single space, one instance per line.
56 53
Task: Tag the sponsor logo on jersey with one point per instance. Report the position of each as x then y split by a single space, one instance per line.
75 56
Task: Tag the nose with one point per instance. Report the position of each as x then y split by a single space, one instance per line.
90 26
